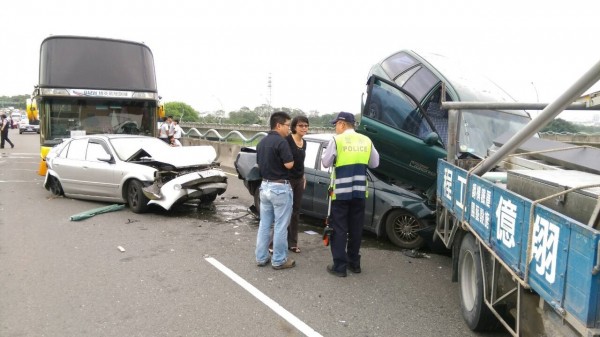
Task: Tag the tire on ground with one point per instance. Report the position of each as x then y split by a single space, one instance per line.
476 313
403 229
136 199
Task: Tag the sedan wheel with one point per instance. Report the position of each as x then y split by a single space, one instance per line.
55 186
208 198
403 229
135 197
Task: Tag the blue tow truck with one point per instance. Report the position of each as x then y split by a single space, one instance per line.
525 236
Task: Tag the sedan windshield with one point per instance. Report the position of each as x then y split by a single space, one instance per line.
127 146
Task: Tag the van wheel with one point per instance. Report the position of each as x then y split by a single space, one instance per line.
403 228
135 197
476 313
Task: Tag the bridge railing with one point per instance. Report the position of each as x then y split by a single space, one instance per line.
245 134
193 132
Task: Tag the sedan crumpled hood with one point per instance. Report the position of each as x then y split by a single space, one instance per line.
180 157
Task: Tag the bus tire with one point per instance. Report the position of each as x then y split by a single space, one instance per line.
135 197
476 313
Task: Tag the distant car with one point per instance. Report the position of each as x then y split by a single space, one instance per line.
136 170
25 126
401 215
15 117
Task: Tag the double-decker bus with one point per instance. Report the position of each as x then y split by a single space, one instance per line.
90 85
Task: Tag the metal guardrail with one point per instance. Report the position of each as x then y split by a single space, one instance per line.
193 131
572 134
234 131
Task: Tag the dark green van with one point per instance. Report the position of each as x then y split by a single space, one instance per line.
402 115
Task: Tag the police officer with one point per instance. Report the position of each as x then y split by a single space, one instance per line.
350 153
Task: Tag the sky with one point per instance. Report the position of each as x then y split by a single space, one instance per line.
317 53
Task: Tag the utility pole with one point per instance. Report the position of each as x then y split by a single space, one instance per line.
269 86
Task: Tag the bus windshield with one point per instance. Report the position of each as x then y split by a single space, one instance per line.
96 116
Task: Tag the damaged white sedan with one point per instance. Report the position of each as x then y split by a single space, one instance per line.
136 170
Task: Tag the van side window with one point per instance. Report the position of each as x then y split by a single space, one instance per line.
437 116
392 107
397 64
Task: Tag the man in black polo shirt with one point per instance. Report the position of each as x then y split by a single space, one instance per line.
275 159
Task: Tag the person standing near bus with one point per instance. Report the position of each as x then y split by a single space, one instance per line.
4 132
177 131
350 153
165 127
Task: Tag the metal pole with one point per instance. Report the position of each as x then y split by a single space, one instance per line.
452 134
513 106
549 113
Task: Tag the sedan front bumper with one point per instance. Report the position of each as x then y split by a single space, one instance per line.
188 186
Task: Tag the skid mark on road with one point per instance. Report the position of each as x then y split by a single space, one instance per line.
288 316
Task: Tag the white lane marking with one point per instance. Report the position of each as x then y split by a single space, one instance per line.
21 181
288 316
231 174
29 154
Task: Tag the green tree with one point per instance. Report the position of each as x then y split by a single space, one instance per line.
244 116
18 101
560 125
181 111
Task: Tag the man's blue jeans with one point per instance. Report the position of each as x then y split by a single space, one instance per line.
275 209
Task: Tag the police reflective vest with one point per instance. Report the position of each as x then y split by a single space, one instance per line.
350 175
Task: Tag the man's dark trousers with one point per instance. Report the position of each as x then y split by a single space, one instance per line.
347 220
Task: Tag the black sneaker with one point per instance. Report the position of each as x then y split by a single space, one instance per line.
332 271
354 269
290 263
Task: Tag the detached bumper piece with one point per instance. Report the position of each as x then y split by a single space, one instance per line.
193 185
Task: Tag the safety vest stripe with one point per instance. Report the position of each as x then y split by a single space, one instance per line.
350 189
350 179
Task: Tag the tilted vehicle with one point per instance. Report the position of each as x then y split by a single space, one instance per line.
402 115
136 170
390 210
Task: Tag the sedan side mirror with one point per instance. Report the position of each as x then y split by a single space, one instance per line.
106 158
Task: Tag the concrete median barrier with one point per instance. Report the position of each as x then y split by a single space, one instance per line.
226 152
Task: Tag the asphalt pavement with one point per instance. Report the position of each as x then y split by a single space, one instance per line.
191 272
